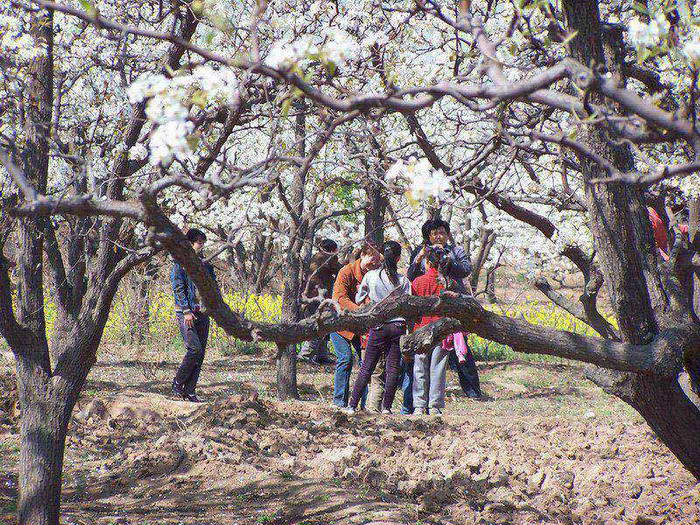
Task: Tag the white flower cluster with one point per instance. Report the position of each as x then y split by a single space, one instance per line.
424 183
333 46
15 40
284 55
691 50
645 36
169 141
169 102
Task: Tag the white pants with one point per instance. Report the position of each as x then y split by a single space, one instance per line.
429 373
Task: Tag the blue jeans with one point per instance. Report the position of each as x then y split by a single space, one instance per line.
406 381
343 368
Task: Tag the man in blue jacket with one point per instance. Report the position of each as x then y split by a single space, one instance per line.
194 325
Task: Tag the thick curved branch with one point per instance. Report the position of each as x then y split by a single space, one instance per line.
663 356
81 206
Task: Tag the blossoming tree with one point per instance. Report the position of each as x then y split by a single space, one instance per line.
529 119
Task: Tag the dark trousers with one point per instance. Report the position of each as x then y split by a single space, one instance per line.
382 340
195 339
467 373
318 348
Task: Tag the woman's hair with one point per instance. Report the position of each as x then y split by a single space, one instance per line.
329 245
367 248
392 254
193 235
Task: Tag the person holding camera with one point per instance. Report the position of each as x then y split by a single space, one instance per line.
437 233
454 269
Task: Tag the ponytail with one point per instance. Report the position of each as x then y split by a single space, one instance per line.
392 254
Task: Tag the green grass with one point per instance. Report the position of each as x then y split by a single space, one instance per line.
238 347
9 447
9 508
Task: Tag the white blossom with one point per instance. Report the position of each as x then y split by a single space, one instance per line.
395 172
146 86
378 37
424 183
340 47
169 141
649 35
165 108
691 50
139 151
281 56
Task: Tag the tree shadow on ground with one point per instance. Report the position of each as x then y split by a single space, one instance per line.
277 500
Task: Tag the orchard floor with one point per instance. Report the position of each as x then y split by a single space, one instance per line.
544 447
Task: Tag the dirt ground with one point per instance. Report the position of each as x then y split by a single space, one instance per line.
544 447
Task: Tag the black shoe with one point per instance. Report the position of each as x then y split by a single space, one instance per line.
324 361
178 390
192 398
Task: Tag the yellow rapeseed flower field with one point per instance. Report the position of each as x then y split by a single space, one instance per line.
266 307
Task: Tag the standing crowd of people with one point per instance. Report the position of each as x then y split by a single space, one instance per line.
370 277
438 263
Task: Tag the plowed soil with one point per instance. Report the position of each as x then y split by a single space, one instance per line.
544 447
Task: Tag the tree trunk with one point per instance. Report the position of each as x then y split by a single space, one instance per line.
45 414
487 238
291 297
140 309
664 405
42 441
287 374
374 216
491 285
627 257
693 232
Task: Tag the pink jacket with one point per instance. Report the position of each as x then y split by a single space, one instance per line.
458 343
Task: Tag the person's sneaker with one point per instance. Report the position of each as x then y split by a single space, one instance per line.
350 410
192 398
420 412
386 411
436 411
325 360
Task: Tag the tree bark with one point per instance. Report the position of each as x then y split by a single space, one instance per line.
487 238
374 216
291 297
43 427
140 309
628 261
618 217
491 284
694 237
